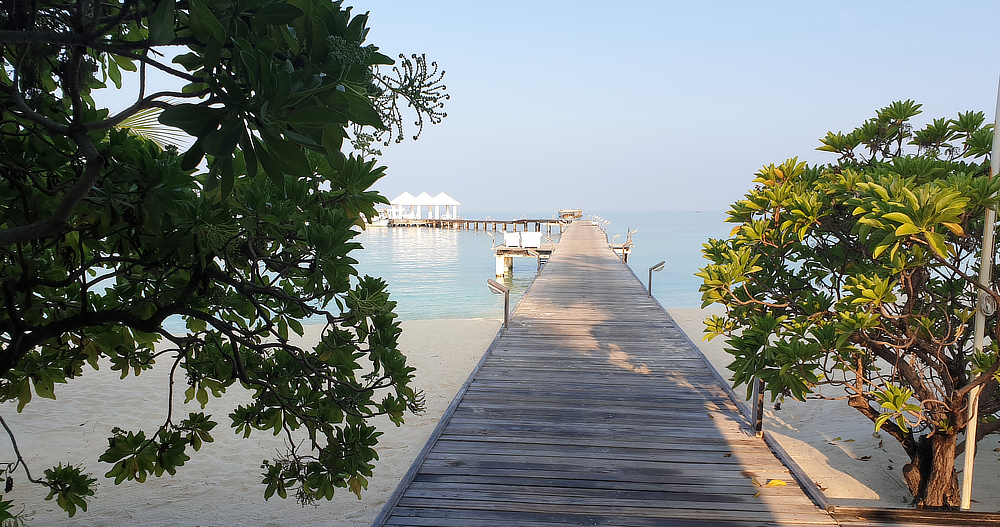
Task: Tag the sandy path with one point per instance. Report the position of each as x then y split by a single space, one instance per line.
220 485
835 444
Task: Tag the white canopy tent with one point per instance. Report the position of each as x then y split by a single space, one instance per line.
406 206
403 207
450 207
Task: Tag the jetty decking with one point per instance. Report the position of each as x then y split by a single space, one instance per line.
593 409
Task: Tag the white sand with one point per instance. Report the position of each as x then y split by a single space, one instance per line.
857 469
220 485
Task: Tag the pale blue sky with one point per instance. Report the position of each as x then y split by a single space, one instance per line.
660 105
665 105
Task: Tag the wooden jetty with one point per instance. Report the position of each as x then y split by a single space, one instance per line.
594 409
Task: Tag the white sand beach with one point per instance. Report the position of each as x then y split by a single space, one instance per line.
835 445
220 486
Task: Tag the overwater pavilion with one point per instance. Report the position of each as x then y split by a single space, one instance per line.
406 206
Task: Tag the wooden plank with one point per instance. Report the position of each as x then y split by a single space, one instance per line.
593 408
527 441
859 516
662 499
627 510
472 518
673 479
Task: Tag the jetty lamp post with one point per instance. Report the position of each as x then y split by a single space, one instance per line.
658 267
985 306
498 288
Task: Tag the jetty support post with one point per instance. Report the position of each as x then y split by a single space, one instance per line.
498 288
505 265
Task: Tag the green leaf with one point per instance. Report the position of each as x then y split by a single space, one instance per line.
278 13
195 119
204 25
286 155
228 178
319 117
955 228
249 157
380 59
222 142
271 170
296 326
907 229
202 396
898 217
44 386
124 63
161 23
361 111
193 156
938 244
115 73
23 394
213 55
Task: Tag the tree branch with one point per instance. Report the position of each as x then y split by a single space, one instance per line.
146 60
57 222
30 114
17 453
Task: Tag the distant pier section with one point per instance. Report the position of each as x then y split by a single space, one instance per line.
524 239
441 211
489 224
534 245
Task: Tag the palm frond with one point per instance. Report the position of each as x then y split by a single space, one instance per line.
145 123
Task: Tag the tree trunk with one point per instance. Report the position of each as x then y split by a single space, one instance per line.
931 471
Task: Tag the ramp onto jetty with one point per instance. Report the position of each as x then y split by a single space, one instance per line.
593 409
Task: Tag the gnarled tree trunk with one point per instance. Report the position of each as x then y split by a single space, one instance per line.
930 474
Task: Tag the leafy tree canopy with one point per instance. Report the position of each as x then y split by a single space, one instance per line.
115 250
862 275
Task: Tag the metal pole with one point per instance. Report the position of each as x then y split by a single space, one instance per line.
506 308
757 410
658 267
497 287
985 279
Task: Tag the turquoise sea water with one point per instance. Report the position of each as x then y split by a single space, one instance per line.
442 273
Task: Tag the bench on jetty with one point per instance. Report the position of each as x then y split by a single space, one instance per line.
521 245
594 409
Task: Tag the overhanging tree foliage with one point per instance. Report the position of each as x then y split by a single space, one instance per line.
105 237
862 275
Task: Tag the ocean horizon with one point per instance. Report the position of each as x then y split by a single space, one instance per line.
441 273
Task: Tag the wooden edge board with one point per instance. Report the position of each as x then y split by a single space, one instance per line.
404 483
873 515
